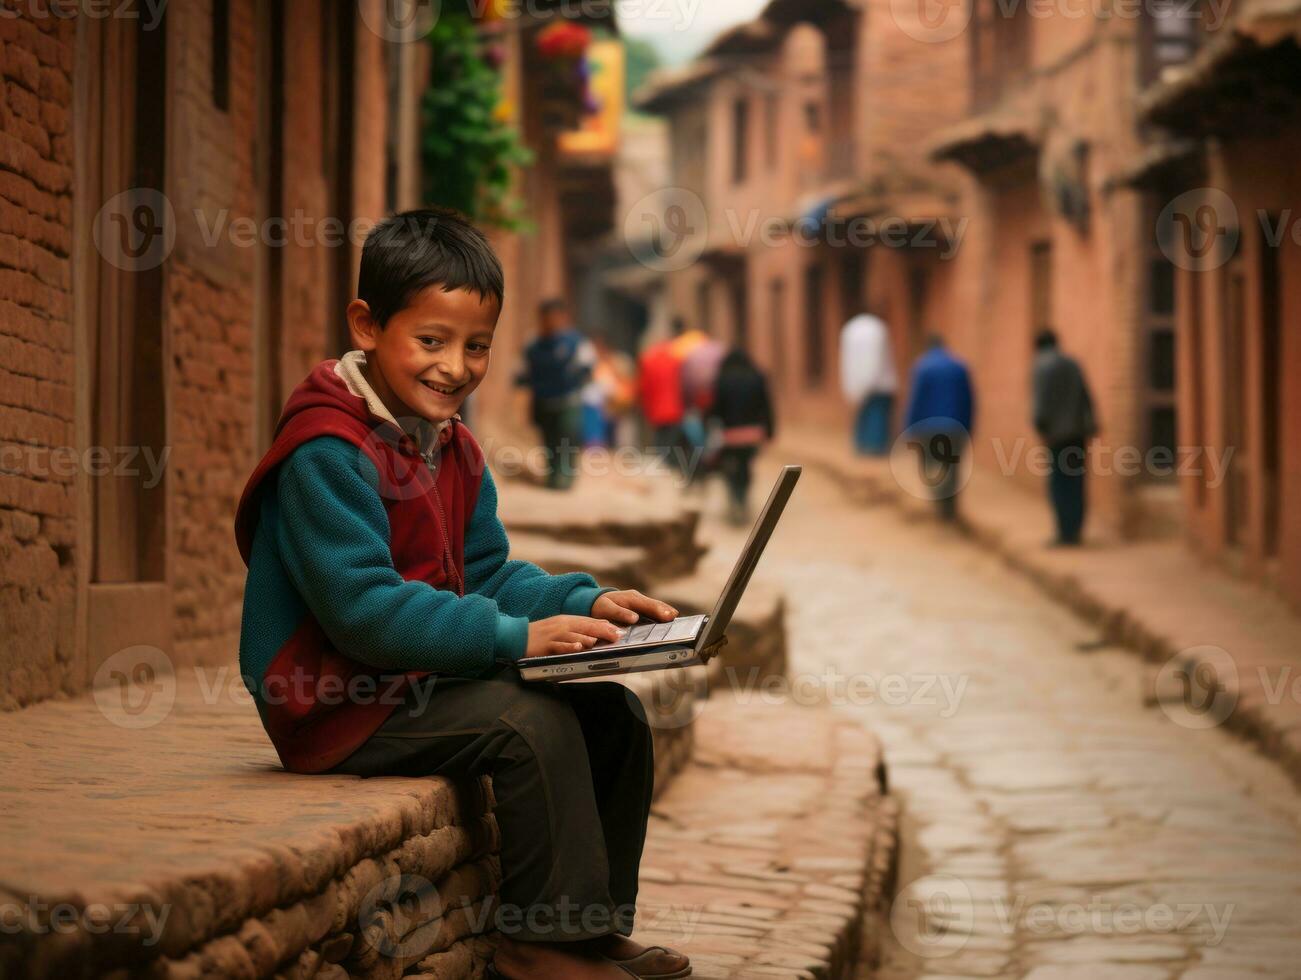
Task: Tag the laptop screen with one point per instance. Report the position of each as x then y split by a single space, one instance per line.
745 564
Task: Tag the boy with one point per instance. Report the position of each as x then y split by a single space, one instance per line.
382 618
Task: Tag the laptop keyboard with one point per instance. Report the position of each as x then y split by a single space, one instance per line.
682 628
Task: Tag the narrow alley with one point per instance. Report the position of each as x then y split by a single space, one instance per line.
1053 827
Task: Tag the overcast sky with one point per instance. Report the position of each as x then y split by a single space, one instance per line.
680 28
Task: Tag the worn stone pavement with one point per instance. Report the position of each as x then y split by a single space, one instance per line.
1053 827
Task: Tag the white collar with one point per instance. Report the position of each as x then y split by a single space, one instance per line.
350 369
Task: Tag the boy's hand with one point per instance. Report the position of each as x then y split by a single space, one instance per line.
629 606
567 634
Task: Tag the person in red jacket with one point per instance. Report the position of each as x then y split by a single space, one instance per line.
659 388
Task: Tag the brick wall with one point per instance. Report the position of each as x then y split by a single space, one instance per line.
210 341
37 502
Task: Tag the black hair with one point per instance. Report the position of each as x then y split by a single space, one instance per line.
1045 339
425 247
553 304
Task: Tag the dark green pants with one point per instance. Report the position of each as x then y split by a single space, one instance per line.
572 772
559 423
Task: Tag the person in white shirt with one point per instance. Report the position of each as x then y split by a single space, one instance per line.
869 381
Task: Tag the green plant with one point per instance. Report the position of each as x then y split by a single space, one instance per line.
468 150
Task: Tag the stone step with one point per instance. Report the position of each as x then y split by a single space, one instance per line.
756 638
661 528
151 830
622 566
773 847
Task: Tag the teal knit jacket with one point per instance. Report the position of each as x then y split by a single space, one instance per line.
322 544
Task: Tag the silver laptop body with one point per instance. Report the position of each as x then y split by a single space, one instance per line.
681 642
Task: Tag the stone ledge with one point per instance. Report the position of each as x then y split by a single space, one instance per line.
219 863
756 637
622 566
663 530
774 848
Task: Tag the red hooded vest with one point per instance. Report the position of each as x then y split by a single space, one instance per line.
312 724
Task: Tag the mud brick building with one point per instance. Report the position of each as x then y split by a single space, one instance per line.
183 196
1002 168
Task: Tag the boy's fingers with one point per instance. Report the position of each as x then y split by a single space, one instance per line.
599 628
652 607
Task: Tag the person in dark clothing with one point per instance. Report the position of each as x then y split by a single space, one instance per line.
557 365
941 410
743 410
1063 417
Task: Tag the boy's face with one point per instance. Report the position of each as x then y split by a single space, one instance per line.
432 353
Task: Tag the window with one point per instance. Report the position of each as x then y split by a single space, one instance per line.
703 316
777 312
740 139
1041 286
815 347
338 60
268 271
129 401
1271 385
740 311
772 112
813 117
1170 35
1161 421
1000 47
221 54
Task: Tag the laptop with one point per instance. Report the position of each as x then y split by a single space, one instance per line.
682 642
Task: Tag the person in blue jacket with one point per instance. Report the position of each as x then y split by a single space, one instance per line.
941 410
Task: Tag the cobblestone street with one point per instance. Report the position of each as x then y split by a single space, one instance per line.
1053 827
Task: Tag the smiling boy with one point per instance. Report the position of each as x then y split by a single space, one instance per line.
383 618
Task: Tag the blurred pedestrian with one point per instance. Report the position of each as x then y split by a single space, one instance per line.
557 364
609 396
869 381
700 365
742 407
1063 417
659 388
941 408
